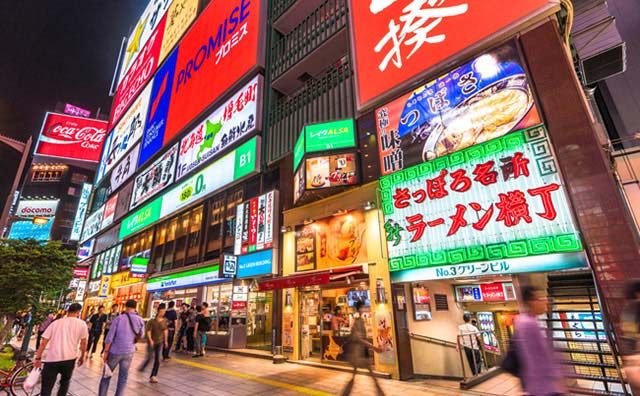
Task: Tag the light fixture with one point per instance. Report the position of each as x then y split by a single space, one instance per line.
287 299
349 281
369 205
40 220
285 229
381 294
308 221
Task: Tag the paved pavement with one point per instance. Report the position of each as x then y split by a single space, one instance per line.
227 374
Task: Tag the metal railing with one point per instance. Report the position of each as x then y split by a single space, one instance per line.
471 347
315 29
432 340
278 7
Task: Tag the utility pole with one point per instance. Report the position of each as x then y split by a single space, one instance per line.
23 148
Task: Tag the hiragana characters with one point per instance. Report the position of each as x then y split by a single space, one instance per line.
417 226
547 203
438 101
513 207
419 195
436 188
401 198
484 219
468 83
458 220
485 174
393 232
461 182
517 165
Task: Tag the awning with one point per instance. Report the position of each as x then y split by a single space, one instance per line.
311 278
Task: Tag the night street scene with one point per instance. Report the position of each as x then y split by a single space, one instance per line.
320 197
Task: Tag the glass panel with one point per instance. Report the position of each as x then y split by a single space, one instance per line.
224 308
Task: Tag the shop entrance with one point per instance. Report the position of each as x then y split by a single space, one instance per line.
259 320
326 317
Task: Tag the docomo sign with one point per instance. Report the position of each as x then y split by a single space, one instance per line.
395 41
71 137
40 208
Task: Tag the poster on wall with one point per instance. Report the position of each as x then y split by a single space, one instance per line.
331 242
125 168
155 177
235 119
331 171
65 136
481 100
287 330
109 211
385 338
255 223
495 208
76 230
93 224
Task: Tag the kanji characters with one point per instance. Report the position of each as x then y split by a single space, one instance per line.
401 198
436 188
517 166
458 220
544 193
393 232
417 226
485 174
461 182
513 207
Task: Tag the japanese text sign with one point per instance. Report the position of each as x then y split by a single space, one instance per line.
109 211
492 202
255 223
236 119
93 223
483 99
125 168
66 136
396 41
332 135
155 177
76 230
487 292
76 111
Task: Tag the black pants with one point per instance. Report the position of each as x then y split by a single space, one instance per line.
50 373
190 339
474 359
156 351
104 340
93 341
181 335
165 351
39 339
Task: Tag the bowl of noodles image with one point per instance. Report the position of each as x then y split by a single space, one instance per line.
492 112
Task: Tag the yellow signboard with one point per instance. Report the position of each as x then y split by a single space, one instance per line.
124 279
179 16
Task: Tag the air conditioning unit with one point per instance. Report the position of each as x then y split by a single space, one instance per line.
600 49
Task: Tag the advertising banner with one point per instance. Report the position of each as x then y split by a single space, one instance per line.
255 223
332 242
331 171
125 168
256 264
476 102
66 136
396 41
155 177
26 229
80 272
76 231
327 136
37 208
105 283
484 208
93 223
492 292
80 291
85 250
76 111
142 218
179 17
239 117
109 211
197 277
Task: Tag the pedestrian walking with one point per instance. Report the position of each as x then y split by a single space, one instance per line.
157 337
469 335
126 329
358 350
43 326
540 373
203 324
191 323
171 317
59 350
107 325
97 322
182 328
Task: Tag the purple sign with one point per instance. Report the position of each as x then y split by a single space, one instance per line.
76 111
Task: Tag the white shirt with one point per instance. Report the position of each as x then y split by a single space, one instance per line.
470 339
64 337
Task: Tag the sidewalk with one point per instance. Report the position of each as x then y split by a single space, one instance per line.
220 374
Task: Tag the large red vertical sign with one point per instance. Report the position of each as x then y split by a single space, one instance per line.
397 40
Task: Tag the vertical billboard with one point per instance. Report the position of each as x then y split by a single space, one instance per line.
93 224
222 47
76 230
255 224
155 177
66 136
109 212
395 41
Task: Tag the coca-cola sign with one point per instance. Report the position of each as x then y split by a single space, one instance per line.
71 137
37 208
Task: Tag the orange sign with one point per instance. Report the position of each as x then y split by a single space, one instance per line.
395 41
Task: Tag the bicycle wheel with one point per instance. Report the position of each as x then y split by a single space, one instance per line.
17 379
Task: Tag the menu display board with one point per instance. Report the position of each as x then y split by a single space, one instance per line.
483 99
331 171
421 302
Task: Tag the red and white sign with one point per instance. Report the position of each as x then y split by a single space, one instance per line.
222 46
492 292
138 75
37 208
66 136
109 211
238 305
395 41
81 272
255 224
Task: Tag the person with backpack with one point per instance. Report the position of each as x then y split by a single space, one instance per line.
125 331
157 337
203 324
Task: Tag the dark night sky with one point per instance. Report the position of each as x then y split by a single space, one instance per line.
55 51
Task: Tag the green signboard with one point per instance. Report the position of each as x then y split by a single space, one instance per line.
327 136
298 151
142 218
196 277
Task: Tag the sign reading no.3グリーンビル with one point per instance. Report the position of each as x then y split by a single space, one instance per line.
496 202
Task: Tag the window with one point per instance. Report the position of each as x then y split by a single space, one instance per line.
48 175
193 242
78 178
72 191
214 228
219 299
138 246
233 200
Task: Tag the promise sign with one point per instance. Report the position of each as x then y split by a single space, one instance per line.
481 210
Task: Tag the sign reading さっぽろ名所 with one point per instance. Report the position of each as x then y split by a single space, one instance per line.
481 210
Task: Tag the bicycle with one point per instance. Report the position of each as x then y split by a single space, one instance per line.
11 381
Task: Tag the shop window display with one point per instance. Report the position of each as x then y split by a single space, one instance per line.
219 299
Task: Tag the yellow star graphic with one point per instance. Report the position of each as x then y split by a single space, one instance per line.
134 45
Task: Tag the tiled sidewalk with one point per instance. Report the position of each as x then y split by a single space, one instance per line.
226 374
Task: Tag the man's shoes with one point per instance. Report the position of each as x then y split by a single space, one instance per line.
153 380
198 355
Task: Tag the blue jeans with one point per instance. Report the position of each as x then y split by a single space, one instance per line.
124 361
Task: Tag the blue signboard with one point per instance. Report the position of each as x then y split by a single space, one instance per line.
27 229
260 263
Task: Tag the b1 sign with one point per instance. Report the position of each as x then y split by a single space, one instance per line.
395 41
239 117
255 223
66 136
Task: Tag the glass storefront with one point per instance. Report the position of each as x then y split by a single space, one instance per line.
259 320
219 299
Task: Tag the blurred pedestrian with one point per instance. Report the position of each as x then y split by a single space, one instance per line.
469 334
157 337
107 325
59 350
630 346
203 324
540 373
358 350
182 328
95 331
191 323
171 316
43 326
120 345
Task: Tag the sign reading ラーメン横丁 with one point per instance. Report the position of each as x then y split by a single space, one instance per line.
396 41
482 210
